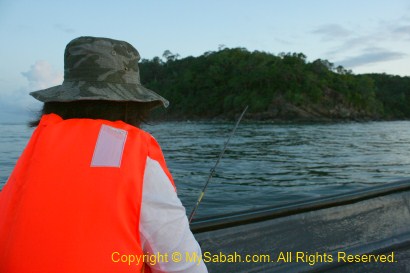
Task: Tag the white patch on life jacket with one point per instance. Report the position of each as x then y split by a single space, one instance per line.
109 147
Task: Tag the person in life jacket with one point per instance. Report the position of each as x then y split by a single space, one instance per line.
91 192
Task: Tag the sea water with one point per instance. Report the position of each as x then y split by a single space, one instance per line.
265 164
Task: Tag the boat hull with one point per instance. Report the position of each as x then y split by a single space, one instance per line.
365 231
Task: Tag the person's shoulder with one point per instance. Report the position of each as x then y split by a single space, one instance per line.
146 136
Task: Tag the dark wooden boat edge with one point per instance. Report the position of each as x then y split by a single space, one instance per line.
221 221
374 220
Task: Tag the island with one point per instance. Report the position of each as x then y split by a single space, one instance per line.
286 87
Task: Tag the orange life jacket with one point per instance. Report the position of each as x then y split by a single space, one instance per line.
72 203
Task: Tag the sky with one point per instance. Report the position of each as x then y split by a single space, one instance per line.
366 36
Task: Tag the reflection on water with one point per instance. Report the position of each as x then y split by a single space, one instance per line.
265 164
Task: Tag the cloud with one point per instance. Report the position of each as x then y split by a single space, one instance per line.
343 39
283 41
12 113
17 106
352 44
401 32
355 48
332 31
63 28
42 75
370 56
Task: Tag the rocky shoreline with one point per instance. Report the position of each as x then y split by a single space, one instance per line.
332 108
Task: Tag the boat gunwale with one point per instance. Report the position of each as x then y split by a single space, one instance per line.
223 221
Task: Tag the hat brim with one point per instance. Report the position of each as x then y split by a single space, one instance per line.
83 90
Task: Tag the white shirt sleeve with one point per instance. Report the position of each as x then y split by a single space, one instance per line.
164 227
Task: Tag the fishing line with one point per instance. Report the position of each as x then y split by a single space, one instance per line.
191 216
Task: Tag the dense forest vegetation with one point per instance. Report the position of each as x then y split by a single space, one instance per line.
219 84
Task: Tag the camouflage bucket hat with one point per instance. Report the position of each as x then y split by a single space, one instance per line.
100 69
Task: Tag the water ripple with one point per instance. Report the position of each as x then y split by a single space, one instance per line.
265 164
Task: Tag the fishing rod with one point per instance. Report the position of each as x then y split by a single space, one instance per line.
191 216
